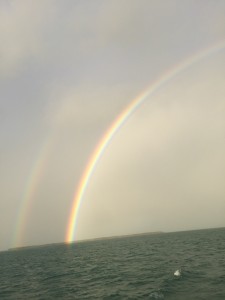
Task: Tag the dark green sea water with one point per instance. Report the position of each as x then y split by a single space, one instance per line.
138 267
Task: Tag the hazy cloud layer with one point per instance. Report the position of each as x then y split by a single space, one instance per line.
67 69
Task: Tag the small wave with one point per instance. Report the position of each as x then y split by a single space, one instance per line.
55 276
156 295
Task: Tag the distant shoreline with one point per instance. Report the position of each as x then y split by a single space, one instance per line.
106 238
85 240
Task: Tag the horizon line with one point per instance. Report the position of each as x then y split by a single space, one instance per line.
27 247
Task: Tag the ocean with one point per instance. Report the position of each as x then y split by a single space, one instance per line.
134 267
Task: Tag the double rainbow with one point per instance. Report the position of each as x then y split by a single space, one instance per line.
40 162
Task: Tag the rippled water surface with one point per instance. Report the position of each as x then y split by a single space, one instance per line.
136 267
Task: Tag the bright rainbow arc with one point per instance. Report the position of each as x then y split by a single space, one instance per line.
119 121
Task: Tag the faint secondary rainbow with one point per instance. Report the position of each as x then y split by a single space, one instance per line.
118 122
29 192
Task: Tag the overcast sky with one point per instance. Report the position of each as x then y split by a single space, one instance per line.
67 69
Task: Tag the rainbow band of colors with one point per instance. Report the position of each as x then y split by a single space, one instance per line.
116 125
30 190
